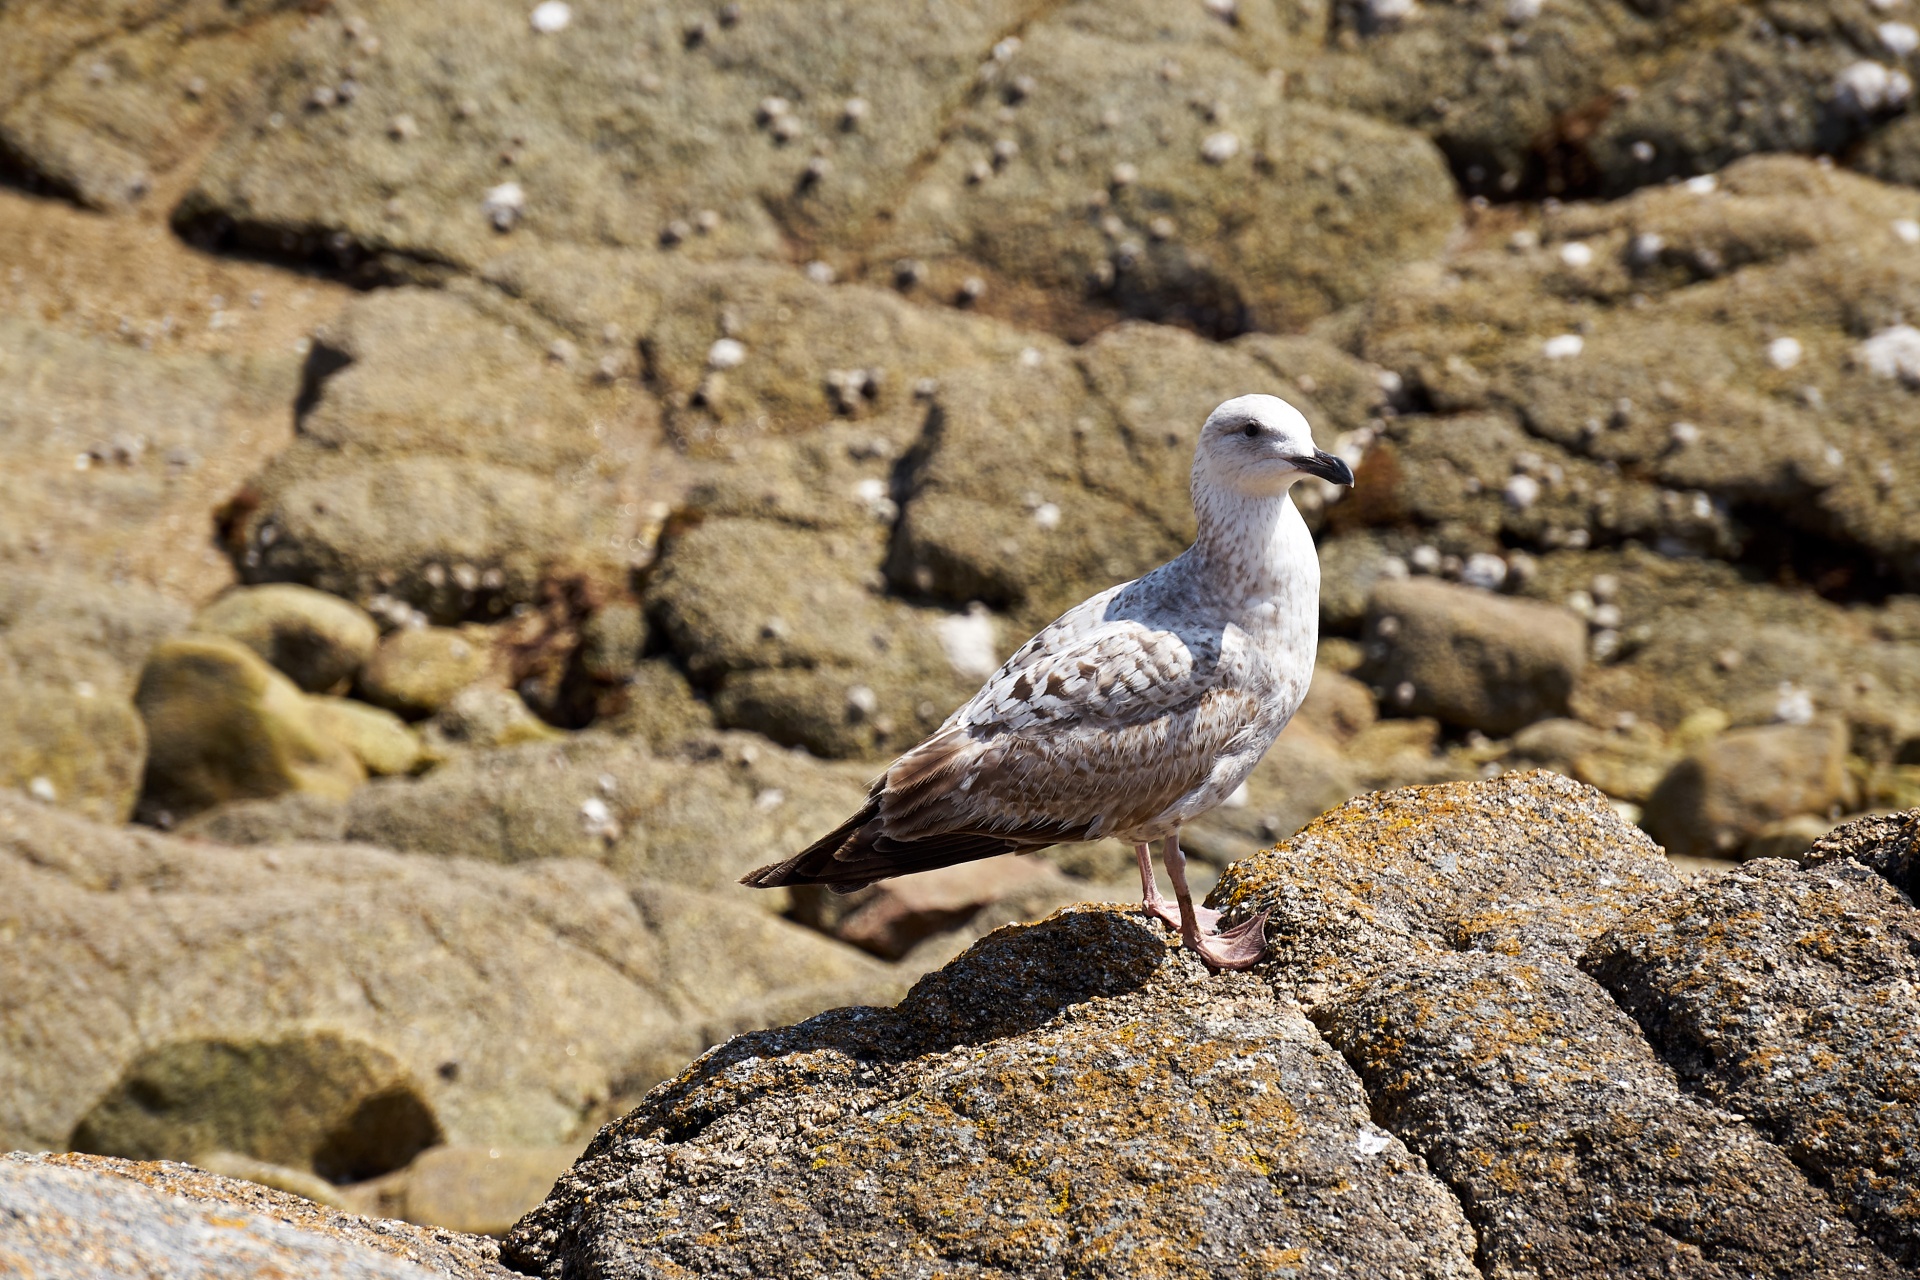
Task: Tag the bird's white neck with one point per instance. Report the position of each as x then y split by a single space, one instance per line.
1255 546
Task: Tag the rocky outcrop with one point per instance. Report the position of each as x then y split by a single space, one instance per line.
162 995
1479 1044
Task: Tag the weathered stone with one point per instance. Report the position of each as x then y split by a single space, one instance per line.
482 1190
1884 843
1735 786
293 818
701 815
519 1001
894 916
92 1215
1470 657
478 716
1788 996
1543 1107
322 1102
418 670
1627 763
316 640
864 1139
378 739
223 725
1237 209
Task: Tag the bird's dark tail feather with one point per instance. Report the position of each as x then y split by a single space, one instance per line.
854 854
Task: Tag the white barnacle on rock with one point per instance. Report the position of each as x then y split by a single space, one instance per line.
862 701
871 493
1900 38
1124 175
1371 1143
1792 704
41 788
1703 185
597 820
1576 254
550 17
1522 491
852 112
1906 230
1683 434
1563 346
1894 352
971 642
1218 148
1047 515
1485 570
726 353
1644 249
1784 353
504 205
1868 88
1388 13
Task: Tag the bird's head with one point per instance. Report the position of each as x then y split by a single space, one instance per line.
1260 446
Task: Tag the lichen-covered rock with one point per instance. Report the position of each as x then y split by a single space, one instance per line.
1469 657
955 1133
316 640
93 1215
223 725
1788 996
1884 843
1736 785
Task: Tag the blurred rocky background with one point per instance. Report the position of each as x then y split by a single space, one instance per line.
478 477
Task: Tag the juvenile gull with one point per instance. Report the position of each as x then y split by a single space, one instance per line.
1134 712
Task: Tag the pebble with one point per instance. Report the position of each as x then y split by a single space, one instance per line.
1784 353
1218 148
504 204
1522 491
403 128
1868 88
1563 346
1485 570
1894 352
726 353
551 17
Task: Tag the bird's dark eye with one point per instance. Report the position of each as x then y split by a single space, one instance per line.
1253 429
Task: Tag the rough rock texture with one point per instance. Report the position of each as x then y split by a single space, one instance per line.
515 999
1457 946
76 1215
1884 843
1788 995
952 1136
417 670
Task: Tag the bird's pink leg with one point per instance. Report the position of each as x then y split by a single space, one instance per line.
1160 908
1239 947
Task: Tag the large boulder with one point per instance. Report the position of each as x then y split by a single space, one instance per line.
180 993
1434 937
1469 657
91 1215
1738 784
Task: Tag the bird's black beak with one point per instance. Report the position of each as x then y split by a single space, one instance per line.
1330 467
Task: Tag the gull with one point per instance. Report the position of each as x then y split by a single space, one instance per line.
1135 711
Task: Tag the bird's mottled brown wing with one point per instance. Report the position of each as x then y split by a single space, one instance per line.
1093 736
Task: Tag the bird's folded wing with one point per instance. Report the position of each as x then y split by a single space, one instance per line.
1093 735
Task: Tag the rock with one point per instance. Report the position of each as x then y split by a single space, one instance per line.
1884 843
318 641
481 1190
476 980
892 917
1626 764
112 459
70 651
379 740
701 815
1731 789
223 725
481 717
88 1215
418 670
1788 838
1265 218
1496 1070
444 462
293 818
1786 996
1123 1057
657 704
319 1102
1471 658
